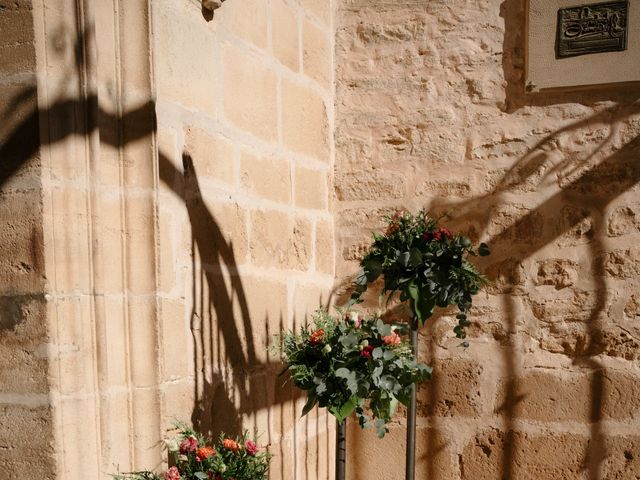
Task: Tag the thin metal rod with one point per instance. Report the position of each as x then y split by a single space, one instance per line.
410 468
341 449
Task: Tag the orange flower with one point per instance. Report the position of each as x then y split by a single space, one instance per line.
205 452
393 339
317 337
231 445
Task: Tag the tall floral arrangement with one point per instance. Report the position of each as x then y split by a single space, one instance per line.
425 264
349 363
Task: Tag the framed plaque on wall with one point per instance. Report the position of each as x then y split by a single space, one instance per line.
578 44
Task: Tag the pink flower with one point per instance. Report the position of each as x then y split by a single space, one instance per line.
251 447
172 474
393 339
188 445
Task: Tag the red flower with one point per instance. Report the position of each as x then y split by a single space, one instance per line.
231 445
317 337
204 453
446 233
188 445
366 352
251 447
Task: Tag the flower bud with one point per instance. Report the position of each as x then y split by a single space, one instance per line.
364 343
326 349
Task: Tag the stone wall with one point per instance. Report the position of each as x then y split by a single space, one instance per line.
166 211
245 122
430 112
24 406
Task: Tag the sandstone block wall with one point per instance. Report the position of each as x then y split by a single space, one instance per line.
166 209
430 112
245 122
24 404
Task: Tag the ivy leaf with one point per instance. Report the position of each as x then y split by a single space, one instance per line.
312 399
350 377
483 250
372 269
350 340
415 257
345 409
388 355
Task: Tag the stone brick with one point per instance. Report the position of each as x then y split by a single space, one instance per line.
317 58
258 317
567 306
278 240
304 121
22 262
576 227
284 28
557 456
213 155
307 299
249 27
177 339
624 220
188 73
220 233
622 263
632 307
505 276
444 188
250 94
619 394
453 391
17 436
557 272
622 458
322 10
23 339
370 186
310 188
325 251
548 396
266 177
370 457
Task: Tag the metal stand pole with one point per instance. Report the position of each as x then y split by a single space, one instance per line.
341 449
411 413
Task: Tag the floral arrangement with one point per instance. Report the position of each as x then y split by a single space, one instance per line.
198 458
352 364
427 264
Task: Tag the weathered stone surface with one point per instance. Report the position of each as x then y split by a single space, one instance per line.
623 263
286 41
557 272
304 121
316 45
453 391
624 220
250 101
622 460
369 186
266 177
547 396
495 454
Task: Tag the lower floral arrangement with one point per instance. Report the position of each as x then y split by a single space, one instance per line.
198 458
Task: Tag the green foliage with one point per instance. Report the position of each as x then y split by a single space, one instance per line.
426 264
226 459
352 365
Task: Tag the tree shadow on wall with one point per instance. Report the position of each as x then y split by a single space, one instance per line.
229 386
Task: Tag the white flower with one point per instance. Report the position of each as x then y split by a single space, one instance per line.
222 467
172 444
326 349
